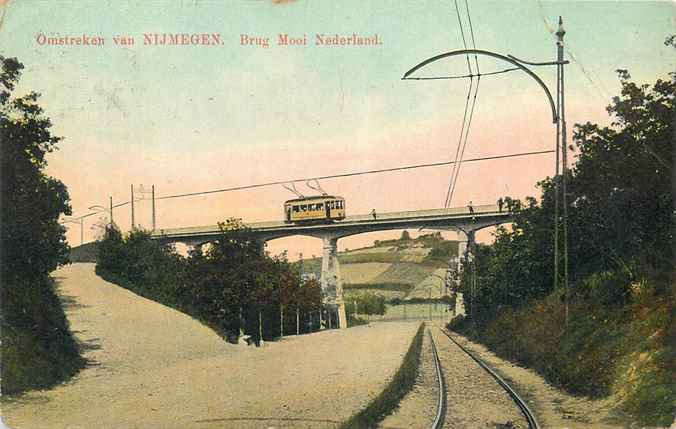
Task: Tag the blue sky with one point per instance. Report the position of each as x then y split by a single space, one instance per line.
194 118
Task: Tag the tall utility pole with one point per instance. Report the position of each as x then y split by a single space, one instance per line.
153 198
132 206
564 158
558 118
111 211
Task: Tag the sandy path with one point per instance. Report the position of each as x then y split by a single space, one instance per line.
153 367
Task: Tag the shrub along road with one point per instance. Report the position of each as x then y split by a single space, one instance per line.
151 366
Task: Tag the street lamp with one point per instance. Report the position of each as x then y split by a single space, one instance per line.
558 118
101 209
78 221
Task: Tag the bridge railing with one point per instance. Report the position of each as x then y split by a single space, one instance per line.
459 211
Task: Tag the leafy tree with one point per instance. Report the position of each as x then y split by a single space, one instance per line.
37 347
620 207
33 241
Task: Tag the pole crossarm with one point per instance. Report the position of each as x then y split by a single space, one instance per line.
509 59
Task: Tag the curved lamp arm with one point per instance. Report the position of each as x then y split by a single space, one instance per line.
508 59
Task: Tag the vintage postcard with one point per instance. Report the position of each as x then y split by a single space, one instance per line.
337 214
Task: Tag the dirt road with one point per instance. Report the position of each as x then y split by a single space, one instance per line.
153 367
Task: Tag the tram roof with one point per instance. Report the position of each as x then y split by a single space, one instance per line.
314 198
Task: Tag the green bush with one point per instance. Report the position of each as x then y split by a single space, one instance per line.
38 349
231 287
365 303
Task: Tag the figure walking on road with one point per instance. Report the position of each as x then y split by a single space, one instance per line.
500 203
373 213
471 209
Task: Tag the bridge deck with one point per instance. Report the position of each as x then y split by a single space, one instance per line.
349 221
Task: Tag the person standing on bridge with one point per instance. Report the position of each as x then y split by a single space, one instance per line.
500 203
373 213
471 211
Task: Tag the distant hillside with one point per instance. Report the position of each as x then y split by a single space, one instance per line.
405 268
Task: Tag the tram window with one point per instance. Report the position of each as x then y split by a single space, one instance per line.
333 204
303 208
340 204
320 206
296 209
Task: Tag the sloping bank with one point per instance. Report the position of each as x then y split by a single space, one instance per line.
396 389
624 353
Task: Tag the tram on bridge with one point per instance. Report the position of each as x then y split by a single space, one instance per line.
316 209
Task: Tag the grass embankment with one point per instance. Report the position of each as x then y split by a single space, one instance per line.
394 392
625 352
84 253
38 350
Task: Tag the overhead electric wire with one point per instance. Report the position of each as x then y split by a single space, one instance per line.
331 176
471 31
462 33
464 76
462 152
457 150
464 132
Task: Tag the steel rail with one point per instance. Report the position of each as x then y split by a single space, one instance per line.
441 398
528 414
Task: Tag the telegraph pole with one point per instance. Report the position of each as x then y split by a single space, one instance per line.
558 118
132 207
153 198
564 158
111 211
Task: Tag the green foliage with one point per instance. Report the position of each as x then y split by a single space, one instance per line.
441 253
84 253
396 287
365 303
620 209
33 241
402 383
606 350
38 350
360 258
228 287
620 238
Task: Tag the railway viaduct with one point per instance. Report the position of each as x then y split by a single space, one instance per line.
464 220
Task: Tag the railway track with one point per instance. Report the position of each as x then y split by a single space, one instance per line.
441 415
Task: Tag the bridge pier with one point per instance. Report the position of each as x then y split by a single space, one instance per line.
466 240
332 286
